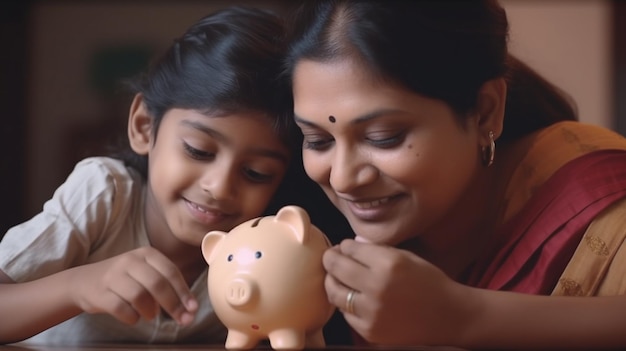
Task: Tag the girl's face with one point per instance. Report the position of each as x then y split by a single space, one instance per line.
395 163
212 173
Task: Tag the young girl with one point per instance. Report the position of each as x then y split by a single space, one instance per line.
114 255
459 243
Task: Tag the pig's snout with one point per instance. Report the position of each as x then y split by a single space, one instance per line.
240 292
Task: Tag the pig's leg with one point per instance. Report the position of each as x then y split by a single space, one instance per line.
287 339
315 340
240 340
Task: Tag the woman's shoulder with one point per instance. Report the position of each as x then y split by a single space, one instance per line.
597 266
547 151
581 137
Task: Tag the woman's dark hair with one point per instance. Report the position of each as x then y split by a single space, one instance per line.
441 49
229 61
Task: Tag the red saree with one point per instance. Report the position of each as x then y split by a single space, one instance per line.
539 241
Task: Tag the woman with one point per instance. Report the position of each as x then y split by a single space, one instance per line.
459 243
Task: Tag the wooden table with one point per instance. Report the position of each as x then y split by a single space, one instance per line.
199 347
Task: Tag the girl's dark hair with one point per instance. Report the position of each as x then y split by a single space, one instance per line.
441 49
229 61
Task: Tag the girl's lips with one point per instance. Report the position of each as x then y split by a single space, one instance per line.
204 214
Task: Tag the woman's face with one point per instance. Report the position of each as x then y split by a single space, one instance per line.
395 163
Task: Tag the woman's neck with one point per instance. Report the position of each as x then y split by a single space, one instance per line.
470 227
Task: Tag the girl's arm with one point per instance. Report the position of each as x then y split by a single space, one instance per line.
29 308
130 286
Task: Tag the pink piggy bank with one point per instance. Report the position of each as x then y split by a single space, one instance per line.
266 281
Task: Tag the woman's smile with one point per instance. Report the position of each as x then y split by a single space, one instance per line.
373 210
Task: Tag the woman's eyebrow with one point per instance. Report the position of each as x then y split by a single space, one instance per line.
360 119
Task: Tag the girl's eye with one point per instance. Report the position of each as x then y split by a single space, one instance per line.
196 153
230 257
387 142
258 254
258 177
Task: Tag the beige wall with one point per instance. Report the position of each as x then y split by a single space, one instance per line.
566 40
65 36
569 42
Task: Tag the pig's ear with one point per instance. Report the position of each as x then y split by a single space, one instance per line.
210 243
297 219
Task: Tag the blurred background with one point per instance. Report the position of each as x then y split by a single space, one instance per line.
61 60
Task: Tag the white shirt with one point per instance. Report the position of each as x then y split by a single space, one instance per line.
96 214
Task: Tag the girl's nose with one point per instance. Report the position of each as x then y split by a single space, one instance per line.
220 180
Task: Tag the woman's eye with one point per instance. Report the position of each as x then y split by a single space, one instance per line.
197 154
258 177
387 142
316 143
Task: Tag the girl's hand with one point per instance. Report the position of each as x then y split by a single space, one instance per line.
400 298
133 285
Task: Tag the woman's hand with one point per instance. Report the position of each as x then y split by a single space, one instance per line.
133 285
400 298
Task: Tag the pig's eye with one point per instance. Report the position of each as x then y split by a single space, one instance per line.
230 258
258 254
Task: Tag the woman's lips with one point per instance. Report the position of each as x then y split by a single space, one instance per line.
373 210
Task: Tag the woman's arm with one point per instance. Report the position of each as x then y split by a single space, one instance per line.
520 321
402 299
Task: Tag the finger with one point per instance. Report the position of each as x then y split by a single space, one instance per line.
345 269
133 294
173 275
340 295
333 290
366 254
119 308
359 325
163 281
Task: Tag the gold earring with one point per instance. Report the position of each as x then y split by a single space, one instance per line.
489 152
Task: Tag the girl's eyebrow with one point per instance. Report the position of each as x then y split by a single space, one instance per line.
225 140
205 129
360 119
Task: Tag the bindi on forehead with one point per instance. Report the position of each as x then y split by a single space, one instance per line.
332 119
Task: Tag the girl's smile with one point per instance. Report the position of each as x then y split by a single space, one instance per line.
205 215
211 172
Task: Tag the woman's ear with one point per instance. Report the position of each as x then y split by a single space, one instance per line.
491 106
139 126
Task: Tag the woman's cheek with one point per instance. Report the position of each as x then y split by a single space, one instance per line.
316 168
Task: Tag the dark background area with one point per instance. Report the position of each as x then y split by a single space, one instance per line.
87 135
13 76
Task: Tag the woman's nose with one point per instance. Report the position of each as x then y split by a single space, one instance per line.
350 169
